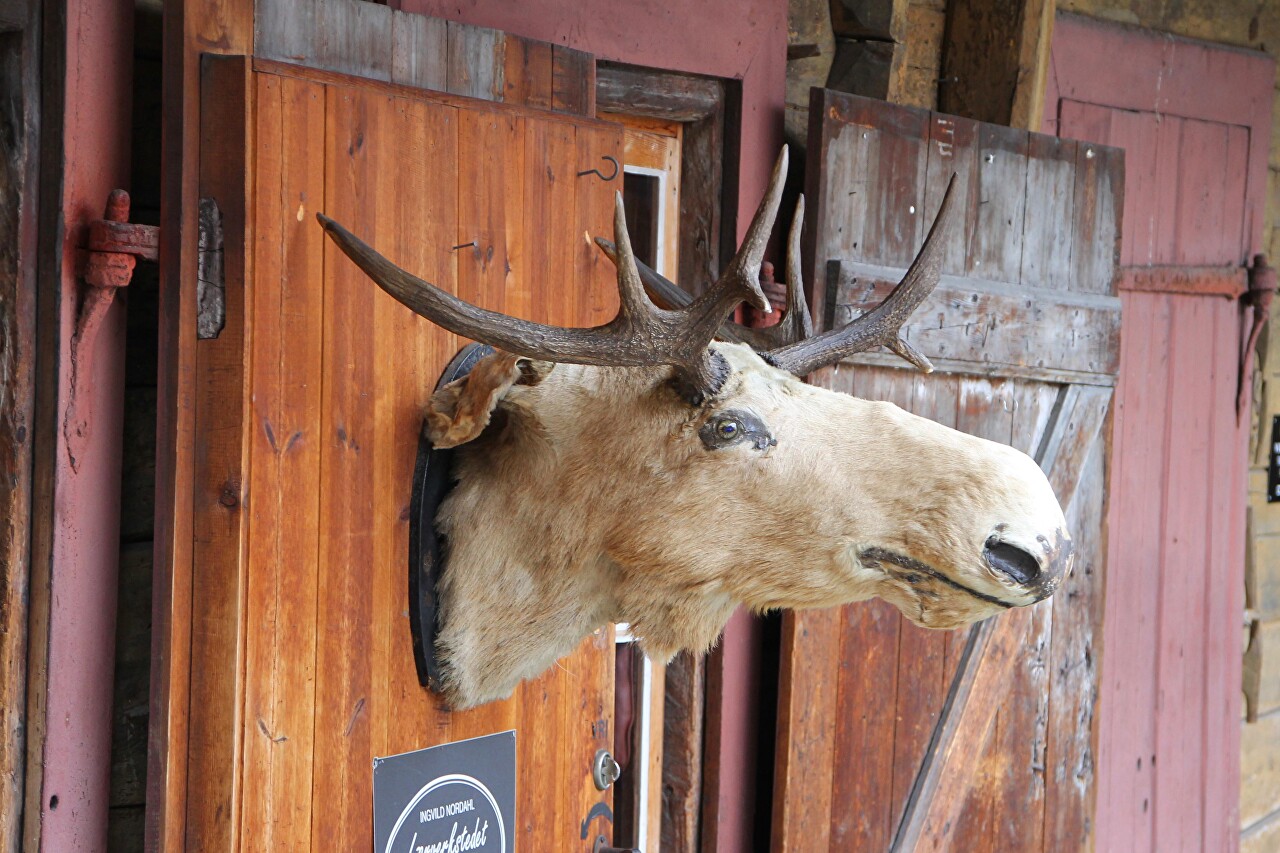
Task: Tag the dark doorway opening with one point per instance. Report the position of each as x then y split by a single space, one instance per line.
131 694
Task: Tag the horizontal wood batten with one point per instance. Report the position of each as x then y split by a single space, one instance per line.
320 75
667 96
964 367
378 42
983 323
1198 281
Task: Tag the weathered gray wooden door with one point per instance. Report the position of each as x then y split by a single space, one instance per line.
896 737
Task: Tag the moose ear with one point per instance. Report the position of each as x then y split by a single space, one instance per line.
461 410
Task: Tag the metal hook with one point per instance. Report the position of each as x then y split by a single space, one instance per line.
616 169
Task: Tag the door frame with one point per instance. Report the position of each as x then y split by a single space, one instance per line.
20 342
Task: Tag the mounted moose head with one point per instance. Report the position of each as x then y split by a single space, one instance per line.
640 472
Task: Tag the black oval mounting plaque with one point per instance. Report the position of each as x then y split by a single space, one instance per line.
432 481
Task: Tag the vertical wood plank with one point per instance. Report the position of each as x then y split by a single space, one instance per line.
224 27
352 37
849 156
426 219
1235 229
395 400
1126 782
594 276
1096 235
476 61
419 50
343 736
1201 209
218 482
1046 232
527 73
896 221
488 211
1071 755
1223 583
1165 197
1179 804
1138 134
284 450
573 81
805 745
996 250
548 193
953 150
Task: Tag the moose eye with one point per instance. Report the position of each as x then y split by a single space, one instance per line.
735 427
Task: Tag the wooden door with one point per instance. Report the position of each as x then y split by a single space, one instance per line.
1195 155
895 737
307 411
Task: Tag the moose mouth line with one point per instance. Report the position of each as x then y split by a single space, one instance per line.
883 555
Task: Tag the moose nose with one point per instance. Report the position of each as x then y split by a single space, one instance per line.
1012 561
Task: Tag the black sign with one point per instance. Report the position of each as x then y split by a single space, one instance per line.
456 798
1273 463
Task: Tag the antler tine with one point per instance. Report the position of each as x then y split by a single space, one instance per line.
880 325
800 324
795 325
633 301
741 278
666 294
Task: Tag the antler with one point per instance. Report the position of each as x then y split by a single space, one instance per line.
794 326
641 333
880 325
788 344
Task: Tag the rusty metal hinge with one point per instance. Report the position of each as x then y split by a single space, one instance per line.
1251 670
113 249
1262 287
211 288
114 246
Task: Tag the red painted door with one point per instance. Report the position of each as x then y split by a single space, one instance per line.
1194 121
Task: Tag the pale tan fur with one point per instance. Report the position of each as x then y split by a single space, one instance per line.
591 499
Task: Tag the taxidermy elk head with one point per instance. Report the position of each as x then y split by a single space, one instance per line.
642 472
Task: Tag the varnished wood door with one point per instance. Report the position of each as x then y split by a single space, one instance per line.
307 413
897 737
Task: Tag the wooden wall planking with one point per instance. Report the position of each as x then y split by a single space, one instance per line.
1132 607
866 149
218 474
284 451
190 32
20 124
379 42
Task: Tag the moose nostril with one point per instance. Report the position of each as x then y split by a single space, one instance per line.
1012 561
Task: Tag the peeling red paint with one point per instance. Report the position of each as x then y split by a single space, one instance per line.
77 749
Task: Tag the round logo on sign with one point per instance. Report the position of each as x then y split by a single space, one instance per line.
450 814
